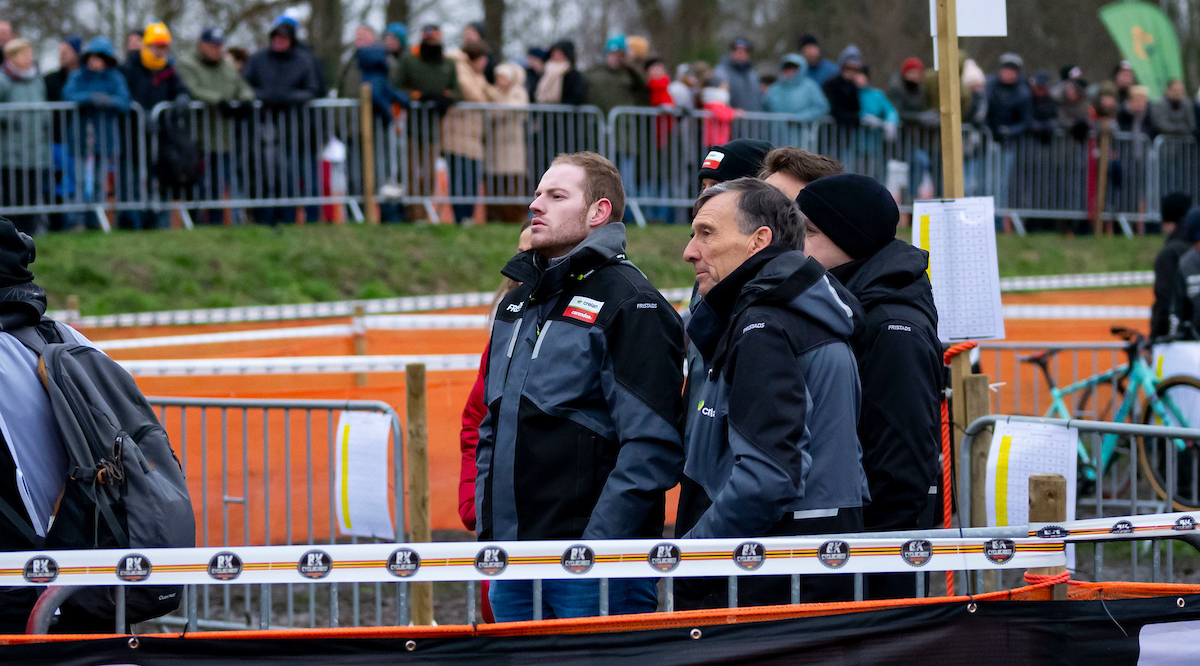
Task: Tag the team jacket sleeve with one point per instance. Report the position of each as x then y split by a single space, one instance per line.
768 410
642 379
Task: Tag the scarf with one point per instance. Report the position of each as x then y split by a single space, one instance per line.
550 86
19 75
150 62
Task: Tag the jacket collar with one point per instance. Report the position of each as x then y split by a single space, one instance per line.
21 305
604 246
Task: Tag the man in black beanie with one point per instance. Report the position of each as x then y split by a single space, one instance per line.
1166 265
736 159
851 231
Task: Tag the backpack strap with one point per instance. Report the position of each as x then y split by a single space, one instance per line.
31 337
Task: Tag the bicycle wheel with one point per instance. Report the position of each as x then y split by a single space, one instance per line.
1154 453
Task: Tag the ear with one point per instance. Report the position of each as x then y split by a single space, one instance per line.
759 240
601 212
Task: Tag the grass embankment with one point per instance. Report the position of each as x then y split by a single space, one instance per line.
223 267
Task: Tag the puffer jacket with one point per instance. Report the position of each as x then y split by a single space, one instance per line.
462 129
799 96
104 102
745 92
775 433
584 396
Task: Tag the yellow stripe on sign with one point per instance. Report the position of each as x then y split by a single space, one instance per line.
923 241
346 475
1160 363
1002 482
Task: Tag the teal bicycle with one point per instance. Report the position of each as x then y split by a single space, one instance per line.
1139 396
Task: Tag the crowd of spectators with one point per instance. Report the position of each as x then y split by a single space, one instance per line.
286 74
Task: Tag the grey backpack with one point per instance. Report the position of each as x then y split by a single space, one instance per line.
125 488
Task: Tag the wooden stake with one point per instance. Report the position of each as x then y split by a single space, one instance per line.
367 124
72 310
1105 143
418 483
1048 504
950 102
359 324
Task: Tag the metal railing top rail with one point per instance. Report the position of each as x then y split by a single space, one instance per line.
260 403
1002 344
1082 425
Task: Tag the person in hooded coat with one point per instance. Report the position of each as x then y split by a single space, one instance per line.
103 98
842 90
794 92
853 235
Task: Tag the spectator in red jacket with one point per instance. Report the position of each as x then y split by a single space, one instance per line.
475 410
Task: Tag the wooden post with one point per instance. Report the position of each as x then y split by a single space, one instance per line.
72 310
1105 143
359 326
1048 504
976 396
418 483
950 100
367 124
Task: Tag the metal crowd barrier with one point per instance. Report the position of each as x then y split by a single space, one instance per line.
241 458
1020 388
65 160
1117 492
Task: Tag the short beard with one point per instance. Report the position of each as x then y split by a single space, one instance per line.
562 245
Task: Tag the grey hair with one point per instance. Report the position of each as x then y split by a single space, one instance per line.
761 205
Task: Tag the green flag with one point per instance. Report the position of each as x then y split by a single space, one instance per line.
1147 40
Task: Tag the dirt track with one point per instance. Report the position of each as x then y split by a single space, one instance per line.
447 394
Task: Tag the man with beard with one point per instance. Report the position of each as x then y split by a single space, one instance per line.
583 393
429 76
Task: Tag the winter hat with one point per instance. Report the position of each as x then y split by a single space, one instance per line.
1139 91
850 57
101 46
713 93
1191 225
212 35
807 40
75 42
539 53
16 253
284 25
972 74
480 29
1069 72
399 31
1175 206
639 47
911 64
741 43
738 158
1043 78
857 213
1107 89
793 60
156 33
1012 61
615 43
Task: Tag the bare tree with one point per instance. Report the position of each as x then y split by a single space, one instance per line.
493 20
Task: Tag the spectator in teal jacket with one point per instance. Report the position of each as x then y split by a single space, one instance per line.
794 92
876 109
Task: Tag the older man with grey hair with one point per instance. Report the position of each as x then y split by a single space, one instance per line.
774 444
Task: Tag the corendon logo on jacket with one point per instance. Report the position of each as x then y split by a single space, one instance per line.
583 309
713 160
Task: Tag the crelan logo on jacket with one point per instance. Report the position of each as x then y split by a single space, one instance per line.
583 309
707 411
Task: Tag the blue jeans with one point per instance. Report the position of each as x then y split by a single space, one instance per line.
512 600
465 174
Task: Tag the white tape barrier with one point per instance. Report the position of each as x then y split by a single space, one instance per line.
1128 527
1077 281
520 560
1075 312
370 322
296 365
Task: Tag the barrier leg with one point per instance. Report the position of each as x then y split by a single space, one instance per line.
418 482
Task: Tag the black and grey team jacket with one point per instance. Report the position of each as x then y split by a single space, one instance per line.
584 396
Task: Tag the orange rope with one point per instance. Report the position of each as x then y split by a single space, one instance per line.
1056 579
947 494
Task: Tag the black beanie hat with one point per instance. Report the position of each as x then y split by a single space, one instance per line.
736 159
16 253
1175 205
857 213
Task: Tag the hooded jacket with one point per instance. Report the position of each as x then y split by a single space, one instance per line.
608 87
1166 270
775 431
842 94
799 96
373 70
282 78
900 365
745 92
103 97
583 389
149 87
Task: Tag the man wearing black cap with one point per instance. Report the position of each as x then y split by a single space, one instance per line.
1166 265
736 159
851 231
737 70
30 447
